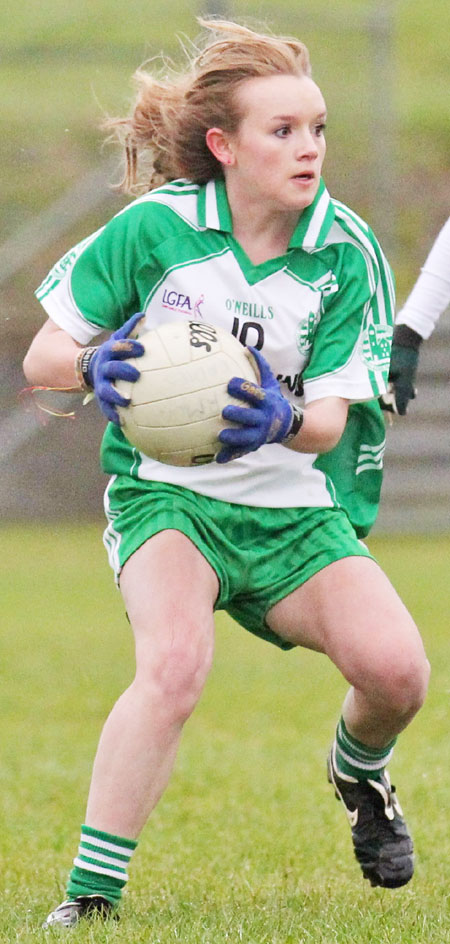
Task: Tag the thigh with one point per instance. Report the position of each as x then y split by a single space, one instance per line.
169 590
350 611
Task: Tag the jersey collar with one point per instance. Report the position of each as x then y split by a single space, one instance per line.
213 207
315 222
311 230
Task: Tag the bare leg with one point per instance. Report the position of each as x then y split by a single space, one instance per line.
351 612
169 591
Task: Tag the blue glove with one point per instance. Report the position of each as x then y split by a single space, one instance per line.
108 363
269 417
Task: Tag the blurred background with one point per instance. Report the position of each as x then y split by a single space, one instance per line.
384 69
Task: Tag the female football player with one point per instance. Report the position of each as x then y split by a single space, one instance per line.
228 159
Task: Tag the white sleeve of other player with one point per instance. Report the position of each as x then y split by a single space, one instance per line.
431 293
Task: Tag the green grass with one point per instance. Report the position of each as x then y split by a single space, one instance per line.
248 843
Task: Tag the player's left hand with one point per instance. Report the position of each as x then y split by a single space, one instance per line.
267 419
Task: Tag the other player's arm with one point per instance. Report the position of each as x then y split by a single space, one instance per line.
415 322
402 371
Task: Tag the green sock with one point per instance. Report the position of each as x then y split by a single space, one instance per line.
358 760
101 865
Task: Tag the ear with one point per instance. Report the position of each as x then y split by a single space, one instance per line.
219 145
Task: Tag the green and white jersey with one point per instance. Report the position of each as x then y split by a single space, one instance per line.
321 314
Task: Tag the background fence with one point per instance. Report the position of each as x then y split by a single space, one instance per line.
383 68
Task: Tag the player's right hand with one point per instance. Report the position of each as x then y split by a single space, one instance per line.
109 363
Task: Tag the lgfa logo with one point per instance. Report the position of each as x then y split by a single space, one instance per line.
177 301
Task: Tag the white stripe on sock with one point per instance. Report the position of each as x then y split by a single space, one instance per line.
103 844
89 867
90 854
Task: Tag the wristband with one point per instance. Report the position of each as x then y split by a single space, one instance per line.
82 362
296 425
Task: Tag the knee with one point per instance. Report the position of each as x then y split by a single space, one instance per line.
181 679
404 686
172 678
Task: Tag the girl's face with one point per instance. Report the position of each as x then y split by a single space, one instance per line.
277 153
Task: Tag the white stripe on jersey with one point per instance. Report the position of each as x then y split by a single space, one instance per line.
370 457
312 233
212 211
360 229
182 265
170 197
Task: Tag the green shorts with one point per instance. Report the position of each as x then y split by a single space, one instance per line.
259 554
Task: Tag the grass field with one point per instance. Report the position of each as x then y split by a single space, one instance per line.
248 843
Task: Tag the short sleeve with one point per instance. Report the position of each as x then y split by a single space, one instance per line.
351 351
92 288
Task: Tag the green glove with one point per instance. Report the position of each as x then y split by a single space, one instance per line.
403 369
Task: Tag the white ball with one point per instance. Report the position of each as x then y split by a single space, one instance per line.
175 411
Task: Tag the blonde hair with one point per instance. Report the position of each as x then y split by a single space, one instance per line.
164 137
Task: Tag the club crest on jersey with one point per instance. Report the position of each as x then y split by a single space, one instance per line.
375 346
306 330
